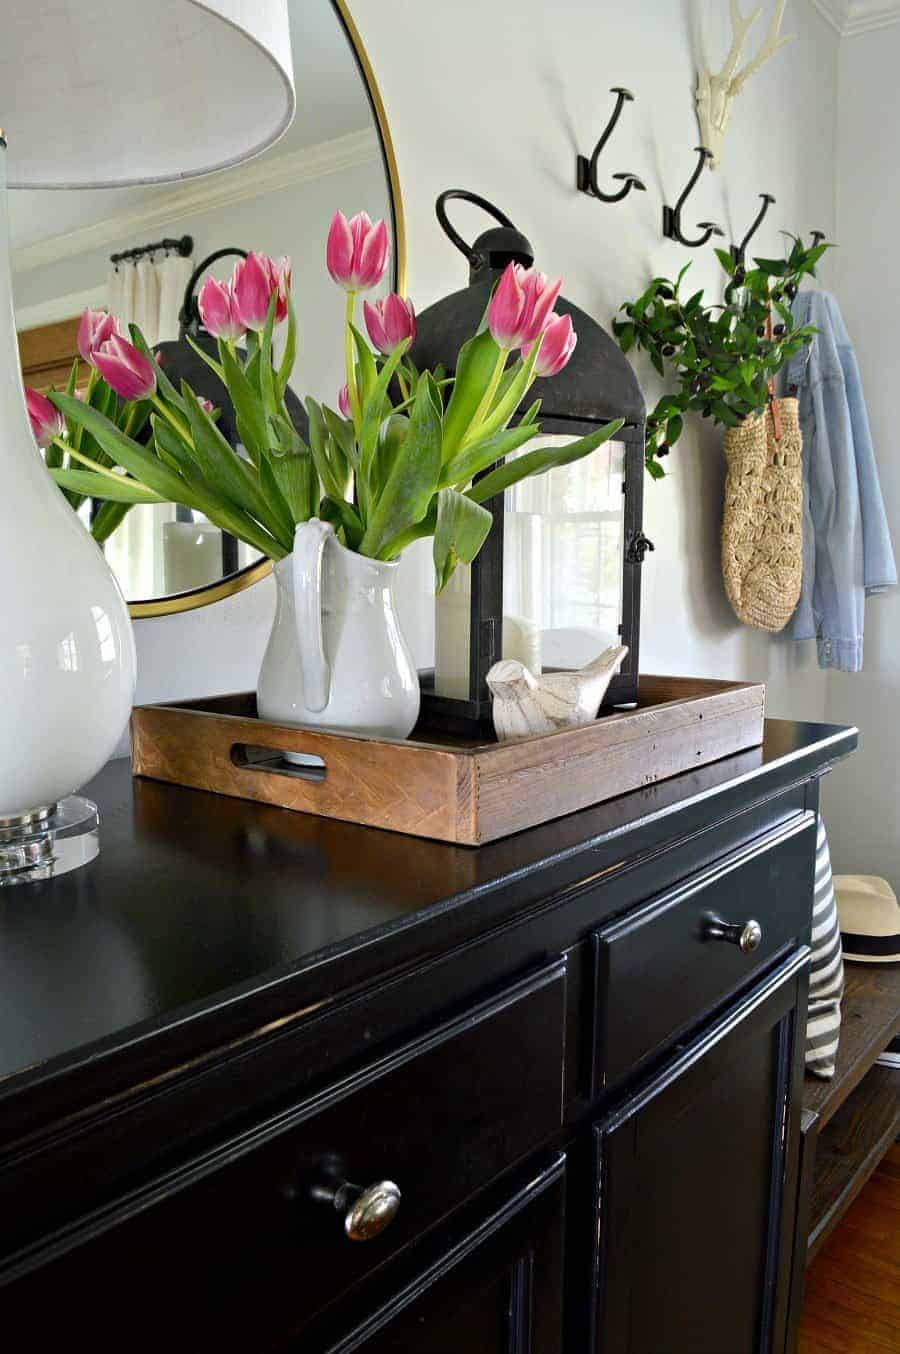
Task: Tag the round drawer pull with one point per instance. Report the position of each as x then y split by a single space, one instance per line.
746 935
367 1212
373 1211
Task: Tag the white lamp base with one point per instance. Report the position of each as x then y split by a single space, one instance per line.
48 842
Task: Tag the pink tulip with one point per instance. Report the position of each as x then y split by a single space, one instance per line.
357 251
252 284
94 328
344 401
218 310
557 345
505 309
46 420
206 405
389 322
540 298
520 306
125 369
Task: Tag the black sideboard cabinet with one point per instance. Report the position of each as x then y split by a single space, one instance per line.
270 1082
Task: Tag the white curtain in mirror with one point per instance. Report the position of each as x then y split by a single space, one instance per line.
147 293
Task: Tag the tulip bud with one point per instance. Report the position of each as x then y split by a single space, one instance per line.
344 401
557 345
505 309
540 297
520 305
125 369
94 328
357 251
252 284
46 420
389 322
218 310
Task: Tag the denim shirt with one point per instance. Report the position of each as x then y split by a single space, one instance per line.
847 551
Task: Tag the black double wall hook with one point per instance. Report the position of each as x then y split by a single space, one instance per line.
672 215
586 169
817 237
739 251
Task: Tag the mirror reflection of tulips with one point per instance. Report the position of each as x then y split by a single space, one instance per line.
406 454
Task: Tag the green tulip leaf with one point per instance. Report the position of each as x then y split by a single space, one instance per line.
107 519
475 367
233 478
249 414
481 455
540 460
115 488
403 499
461 529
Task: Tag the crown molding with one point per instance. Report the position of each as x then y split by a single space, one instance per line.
851 17
835 11
254 179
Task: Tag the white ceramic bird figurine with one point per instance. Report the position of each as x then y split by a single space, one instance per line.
525 704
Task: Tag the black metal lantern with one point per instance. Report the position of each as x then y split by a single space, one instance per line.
596 386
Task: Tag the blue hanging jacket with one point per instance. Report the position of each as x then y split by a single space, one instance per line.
847 550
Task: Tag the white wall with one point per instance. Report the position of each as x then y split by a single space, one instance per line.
498 98
863 802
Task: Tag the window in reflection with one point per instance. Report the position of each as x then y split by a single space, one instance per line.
564 535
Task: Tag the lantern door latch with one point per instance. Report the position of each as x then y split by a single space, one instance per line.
637 548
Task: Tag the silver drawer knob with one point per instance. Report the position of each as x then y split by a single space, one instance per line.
367 1212
373 1211
746 935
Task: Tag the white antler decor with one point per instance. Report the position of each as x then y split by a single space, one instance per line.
715 92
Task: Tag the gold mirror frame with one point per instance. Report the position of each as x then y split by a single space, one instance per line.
245 578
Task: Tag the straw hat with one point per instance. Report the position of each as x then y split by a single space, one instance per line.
869 915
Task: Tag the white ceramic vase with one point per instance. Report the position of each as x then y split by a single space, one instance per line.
336 657
67 658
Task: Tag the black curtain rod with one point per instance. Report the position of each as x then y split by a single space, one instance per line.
184 247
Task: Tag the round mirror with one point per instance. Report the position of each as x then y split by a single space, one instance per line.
135 252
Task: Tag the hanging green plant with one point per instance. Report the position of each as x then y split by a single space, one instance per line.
722 357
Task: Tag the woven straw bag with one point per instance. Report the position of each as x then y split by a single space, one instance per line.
762 520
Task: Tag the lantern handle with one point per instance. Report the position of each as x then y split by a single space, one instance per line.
189 315
453 235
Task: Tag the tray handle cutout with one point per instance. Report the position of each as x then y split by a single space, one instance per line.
298 765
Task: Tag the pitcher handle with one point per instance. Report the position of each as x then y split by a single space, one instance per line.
309 548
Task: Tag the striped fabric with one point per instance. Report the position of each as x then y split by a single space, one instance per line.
826 979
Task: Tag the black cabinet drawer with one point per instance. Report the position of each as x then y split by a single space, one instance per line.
662 968
234 1250
495 1285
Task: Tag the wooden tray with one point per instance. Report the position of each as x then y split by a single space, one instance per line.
434 785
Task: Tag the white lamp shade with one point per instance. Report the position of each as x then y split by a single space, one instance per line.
101 93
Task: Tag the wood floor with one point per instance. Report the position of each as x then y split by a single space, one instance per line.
852 1295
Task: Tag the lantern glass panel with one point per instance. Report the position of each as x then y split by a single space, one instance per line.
563 549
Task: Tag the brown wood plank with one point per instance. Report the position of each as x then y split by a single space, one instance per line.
528 781
849 1149
398 786
852 1289
841 1306
870 1018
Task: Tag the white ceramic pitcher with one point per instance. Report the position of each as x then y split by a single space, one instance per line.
336 657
